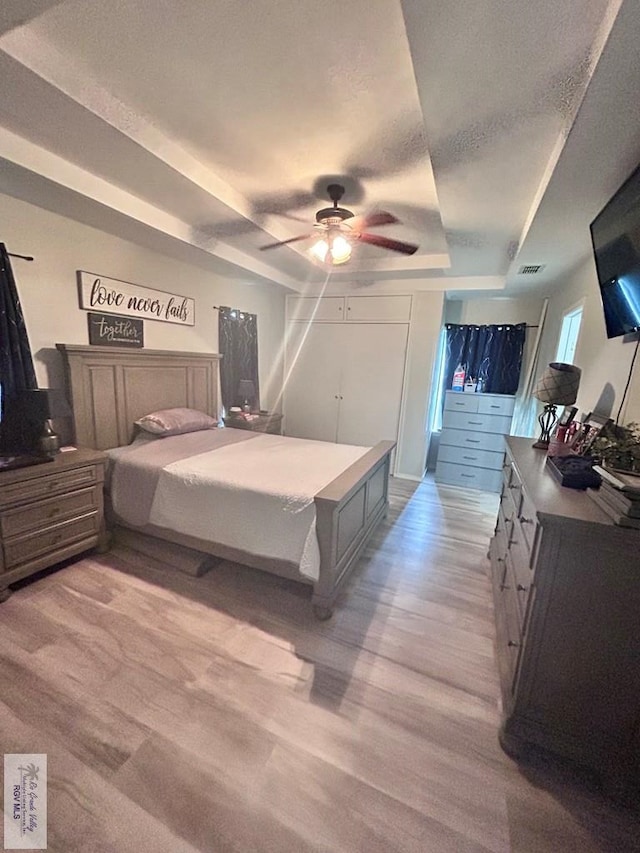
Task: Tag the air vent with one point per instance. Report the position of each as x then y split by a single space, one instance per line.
531 269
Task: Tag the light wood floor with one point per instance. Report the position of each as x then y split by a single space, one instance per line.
215 714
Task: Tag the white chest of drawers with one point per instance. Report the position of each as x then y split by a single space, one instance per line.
472 441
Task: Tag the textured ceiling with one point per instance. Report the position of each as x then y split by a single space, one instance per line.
216 127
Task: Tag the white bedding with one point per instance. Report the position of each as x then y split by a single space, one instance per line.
255 495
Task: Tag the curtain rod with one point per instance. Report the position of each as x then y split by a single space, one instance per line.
22 257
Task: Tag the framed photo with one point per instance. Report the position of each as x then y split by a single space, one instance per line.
589 430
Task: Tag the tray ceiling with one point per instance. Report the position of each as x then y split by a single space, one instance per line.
206 130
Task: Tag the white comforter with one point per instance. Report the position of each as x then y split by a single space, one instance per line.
256 496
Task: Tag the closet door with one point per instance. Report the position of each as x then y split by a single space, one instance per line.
371 385
312 384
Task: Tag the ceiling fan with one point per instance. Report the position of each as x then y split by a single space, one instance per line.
337 229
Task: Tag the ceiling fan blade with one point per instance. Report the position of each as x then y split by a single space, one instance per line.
370 220
386 243
284 242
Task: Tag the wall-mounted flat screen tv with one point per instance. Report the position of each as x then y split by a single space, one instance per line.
615 234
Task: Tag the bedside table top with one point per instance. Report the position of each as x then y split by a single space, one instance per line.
64 461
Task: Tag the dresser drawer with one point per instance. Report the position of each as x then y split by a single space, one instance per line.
520 584
463 475
47 541
35 516
476 422
50 484
495 404
473 440
471 456
457 401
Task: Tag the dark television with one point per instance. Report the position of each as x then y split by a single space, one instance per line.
615 234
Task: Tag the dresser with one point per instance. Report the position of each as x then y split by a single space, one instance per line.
270 422
471 446
566 589
49 512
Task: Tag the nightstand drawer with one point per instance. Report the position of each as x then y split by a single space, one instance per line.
30 546
50 484
35 516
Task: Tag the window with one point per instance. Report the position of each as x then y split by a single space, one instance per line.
569 335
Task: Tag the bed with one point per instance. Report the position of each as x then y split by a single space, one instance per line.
110 388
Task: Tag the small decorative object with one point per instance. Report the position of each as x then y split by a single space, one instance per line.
246 392
470 385
558 386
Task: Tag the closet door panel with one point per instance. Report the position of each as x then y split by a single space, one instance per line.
372 379
312 389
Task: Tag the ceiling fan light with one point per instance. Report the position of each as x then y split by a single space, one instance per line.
340 250
319 250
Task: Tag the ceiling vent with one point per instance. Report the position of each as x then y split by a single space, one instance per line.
531 269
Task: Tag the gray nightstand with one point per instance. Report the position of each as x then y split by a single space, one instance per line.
49 512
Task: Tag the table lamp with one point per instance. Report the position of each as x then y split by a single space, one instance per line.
247 393
38 407
558 386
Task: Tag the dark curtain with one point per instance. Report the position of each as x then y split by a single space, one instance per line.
16 364
238 343
491 354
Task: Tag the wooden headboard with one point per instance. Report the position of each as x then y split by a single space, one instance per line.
111 387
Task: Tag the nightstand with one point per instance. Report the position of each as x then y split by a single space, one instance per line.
270 422
49 512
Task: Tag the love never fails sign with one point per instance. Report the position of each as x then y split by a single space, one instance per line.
110 296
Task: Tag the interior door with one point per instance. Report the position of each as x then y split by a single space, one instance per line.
371 384
312 380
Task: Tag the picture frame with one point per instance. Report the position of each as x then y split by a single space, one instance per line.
589 430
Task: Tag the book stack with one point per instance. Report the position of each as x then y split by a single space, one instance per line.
618 496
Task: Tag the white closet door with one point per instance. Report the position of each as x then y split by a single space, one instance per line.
312 389
372 379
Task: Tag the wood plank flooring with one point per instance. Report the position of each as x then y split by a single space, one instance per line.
215 714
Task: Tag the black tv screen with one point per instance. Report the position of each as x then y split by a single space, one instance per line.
615 234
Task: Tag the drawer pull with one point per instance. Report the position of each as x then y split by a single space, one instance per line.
470 458
493 406
472 440
512 644
475 423
512 542
504 586
524 520
54 511
514 486
521 588
469 476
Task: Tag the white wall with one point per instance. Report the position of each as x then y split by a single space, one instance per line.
49 297
604 363
424 334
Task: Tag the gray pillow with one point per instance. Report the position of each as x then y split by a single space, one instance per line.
175 422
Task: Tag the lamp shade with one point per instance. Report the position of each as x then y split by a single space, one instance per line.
41 404
558 384
246 389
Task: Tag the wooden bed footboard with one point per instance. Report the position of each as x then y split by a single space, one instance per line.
347 512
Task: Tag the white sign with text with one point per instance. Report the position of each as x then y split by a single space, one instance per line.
25 801
110 296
